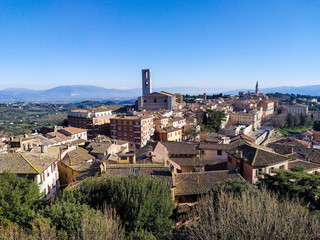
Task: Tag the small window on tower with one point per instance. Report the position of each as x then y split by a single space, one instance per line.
155 100
146 83
147 75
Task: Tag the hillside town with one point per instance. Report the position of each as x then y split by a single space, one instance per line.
166 137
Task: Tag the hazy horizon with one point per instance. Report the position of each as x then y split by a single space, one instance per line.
216 44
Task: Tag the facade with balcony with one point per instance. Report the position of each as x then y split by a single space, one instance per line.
134 129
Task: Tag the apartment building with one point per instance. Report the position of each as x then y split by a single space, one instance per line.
178 122
137 130
96 121
160 122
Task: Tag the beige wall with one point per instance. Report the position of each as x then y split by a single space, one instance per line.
209 154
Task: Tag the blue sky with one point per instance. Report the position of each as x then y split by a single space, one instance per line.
215 44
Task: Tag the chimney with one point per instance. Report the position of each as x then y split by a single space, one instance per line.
44 148
26 136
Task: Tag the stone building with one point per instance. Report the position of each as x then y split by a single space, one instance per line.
152 101
298 109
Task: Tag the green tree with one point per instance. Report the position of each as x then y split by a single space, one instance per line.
143 203
79 221
294 184
290 121
303 120
19 199
214 119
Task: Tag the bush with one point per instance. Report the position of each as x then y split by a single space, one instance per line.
143 203
19 199
250 216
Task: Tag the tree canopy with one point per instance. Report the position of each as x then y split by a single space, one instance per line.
19 199
142 203
213 119
294 184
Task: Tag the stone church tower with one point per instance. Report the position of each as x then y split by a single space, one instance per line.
146 82
257 88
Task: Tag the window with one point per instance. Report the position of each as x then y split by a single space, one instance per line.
281 167
229 159
155 100
144 101
219 152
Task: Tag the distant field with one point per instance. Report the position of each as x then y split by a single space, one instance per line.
24 118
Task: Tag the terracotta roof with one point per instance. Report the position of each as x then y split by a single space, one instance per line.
194 162
41 161
294 142
201 182
213 146
78 159
244 137
310 154
100 147
16 163
181 148
170 129
307 165
257 156
57 136
73 130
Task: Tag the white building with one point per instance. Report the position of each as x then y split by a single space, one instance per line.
74 133
40 165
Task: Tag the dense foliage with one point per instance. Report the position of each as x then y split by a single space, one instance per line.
141 202
294 184
294 121
19 199
213 119
250 215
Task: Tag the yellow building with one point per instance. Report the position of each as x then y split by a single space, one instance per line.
169 134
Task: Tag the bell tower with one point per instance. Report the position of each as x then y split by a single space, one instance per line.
257 88
146 82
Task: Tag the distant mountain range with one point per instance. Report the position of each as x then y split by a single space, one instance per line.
313 90
74 93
